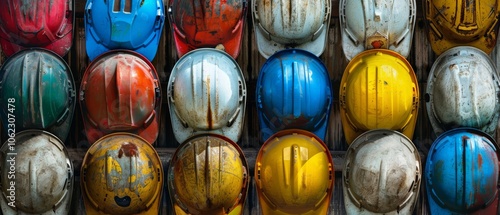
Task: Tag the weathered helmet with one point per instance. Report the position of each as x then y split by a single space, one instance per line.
381 174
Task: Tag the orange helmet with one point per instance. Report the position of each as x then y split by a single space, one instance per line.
120 91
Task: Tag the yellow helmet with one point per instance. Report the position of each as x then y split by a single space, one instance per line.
462 23
208 174
121 174
378 90
294 174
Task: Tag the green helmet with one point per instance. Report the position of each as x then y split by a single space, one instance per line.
37 91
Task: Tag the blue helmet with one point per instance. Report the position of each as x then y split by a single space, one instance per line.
293 91
461 173
123 24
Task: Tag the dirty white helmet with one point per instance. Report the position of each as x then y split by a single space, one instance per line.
43 174
369 24
281 24
463 90
206 94
381 174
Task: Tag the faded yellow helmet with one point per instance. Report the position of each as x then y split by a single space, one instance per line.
462 23
121 174
378 90
208 174
294 174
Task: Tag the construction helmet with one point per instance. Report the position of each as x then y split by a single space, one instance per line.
43 23
281 24
206 24
121 174
379 90
206 93
461 173
462 23
123 24
208 174
36 174
294 174
373 24
37 88
381 174
463 90
293 91
120 91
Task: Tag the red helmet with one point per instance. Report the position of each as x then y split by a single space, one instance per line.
42 23
207 23
120 91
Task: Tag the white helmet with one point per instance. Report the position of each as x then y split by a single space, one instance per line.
381 174
206 93
43 174
369 24
463 90
281 24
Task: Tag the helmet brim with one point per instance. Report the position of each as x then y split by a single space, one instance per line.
61 46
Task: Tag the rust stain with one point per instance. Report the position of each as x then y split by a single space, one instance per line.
479 161
209 106
128 149
377 44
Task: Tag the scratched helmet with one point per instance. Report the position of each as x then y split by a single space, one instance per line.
37 90
121 174
463 90
294 174
461 173
293 91
123 24
387 24
206 24
282 24
43 23
381 175
206 93
208 174
379 90
36 174
462 23
120 91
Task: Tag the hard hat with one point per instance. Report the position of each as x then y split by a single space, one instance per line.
294 174
120 91
461 173
208 174
381 174
43 23
206 93
462 23
293 91
379 90
387 24
36 174
463 90
37 91
123 24
121 174
281 24
206 24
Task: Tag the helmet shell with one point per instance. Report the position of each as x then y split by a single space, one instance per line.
294 174
120 91
293 91
387 24
379 90
461 173
39 86
463 90
123 24
301 24
43 174
208 174
206 93
43 23
207 23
